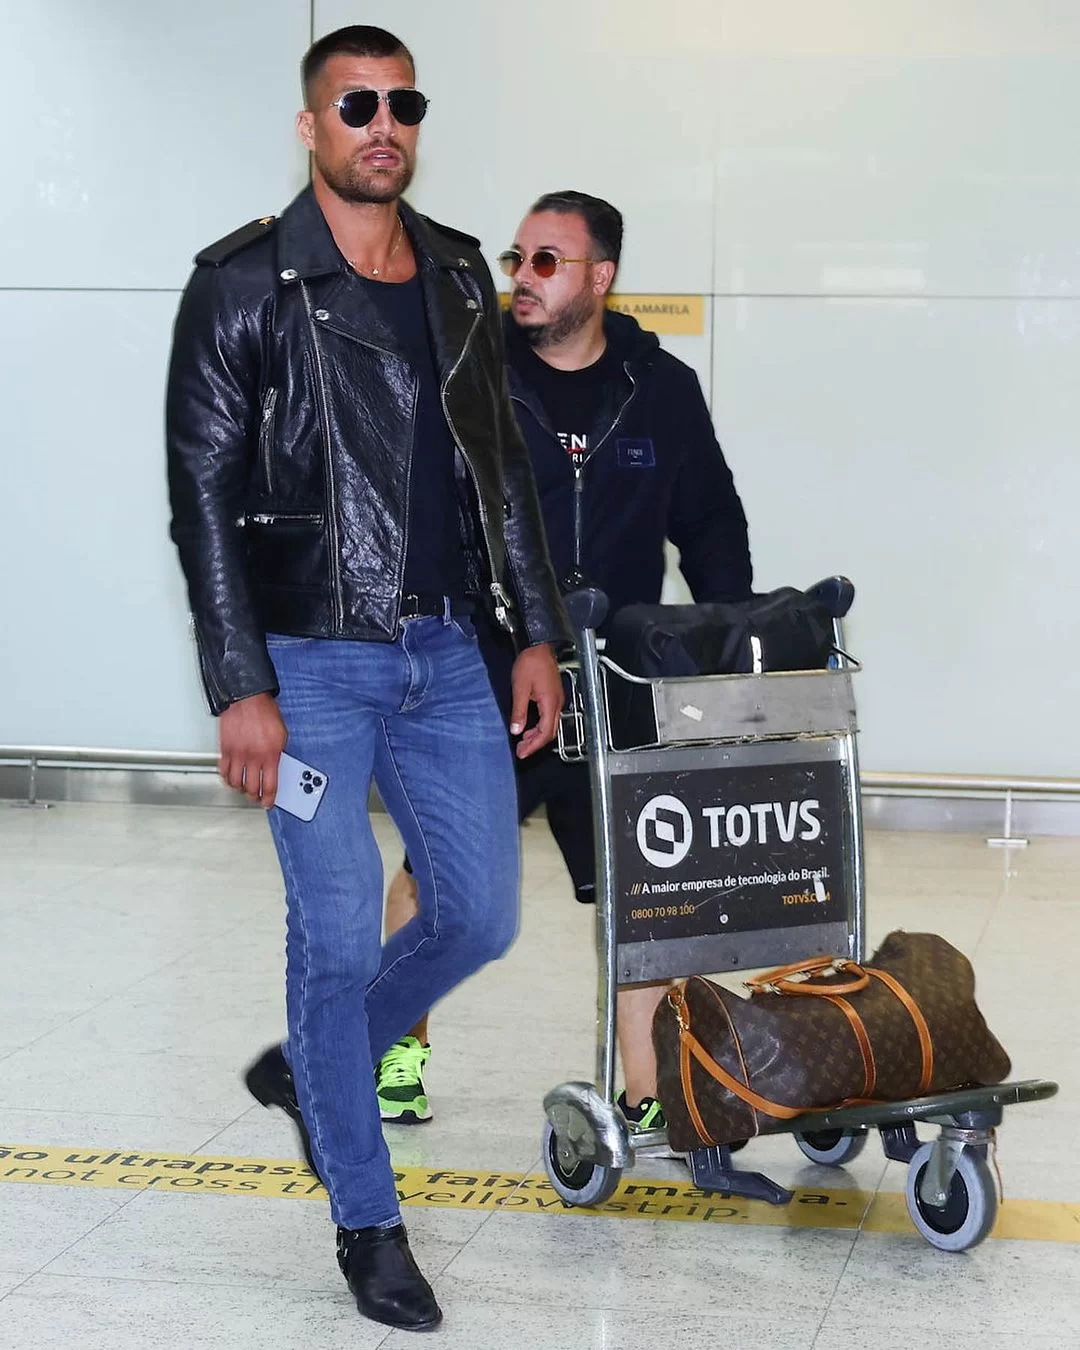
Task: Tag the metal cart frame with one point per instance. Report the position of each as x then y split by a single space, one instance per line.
734 722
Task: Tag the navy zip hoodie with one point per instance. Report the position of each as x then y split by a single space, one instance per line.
655 471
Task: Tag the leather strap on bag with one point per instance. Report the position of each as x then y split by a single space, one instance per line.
799 977
858 1026
689 1045
926 1043
688 1088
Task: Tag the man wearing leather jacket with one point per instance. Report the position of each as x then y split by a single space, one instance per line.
348 486
625 456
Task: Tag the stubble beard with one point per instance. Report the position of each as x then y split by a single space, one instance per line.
571 319
369 186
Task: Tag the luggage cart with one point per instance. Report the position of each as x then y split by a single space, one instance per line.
767 764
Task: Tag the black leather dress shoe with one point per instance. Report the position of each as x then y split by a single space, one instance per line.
385 1279
270 1081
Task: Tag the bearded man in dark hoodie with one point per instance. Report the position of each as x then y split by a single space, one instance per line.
625 456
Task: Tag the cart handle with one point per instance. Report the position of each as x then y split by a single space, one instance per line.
799 977
586 608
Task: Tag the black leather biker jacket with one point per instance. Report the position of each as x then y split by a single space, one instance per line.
289 432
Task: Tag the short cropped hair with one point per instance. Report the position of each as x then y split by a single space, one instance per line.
358 39
603 221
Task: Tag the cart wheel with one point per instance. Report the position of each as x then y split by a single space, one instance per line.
967 1215
832 1148
578 1183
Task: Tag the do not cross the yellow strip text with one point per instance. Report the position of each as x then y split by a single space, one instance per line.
508 1192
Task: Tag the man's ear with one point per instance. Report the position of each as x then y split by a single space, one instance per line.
305 128
603 276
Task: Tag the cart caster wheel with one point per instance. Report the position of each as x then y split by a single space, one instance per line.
832 1148
968 1214
578 1183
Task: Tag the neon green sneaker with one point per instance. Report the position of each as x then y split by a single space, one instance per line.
399 1083
647 1115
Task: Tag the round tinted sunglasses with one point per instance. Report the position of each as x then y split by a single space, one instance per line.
543 262
359 106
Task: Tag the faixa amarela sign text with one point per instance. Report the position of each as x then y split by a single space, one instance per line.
729 850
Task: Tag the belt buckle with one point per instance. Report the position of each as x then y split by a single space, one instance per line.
410 606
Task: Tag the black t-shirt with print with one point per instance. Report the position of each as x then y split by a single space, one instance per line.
571 398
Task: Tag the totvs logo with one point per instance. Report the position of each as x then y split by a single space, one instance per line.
737 826
665 828
665 831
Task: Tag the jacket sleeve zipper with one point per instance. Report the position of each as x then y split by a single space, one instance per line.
206 674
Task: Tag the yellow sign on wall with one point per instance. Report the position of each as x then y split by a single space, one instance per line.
670 315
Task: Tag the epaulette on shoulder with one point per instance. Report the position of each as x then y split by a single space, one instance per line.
452 233
216 254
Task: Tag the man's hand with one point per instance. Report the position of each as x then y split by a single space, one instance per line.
536 679
252 737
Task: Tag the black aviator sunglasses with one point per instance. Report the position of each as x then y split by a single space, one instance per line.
358 107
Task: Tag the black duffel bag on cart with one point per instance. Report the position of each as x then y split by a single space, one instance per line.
785 629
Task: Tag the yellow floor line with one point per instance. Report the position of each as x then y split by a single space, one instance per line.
513 1192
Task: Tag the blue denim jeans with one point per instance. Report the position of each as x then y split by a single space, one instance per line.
418 717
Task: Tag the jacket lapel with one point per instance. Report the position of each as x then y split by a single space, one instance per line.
452 295
307 253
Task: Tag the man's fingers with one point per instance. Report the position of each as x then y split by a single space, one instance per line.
520 711
548 705
532 741
270 781
252 736
549 718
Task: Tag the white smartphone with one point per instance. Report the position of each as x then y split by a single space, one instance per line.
300 787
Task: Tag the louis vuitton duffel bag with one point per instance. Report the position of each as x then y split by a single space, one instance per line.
820 1034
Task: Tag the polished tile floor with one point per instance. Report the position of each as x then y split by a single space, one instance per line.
140 967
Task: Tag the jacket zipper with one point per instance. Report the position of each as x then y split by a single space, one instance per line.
502 600
206 675
331 513
408 488
579 461
272 517
266 439
618 416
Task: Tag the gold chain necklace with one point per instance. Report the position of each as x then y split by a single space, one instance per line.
377 271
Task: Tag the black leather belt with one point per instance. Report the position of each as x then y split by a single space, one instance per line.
426 606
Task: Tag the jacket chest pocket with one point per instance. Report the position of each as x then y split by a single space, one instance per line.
266 440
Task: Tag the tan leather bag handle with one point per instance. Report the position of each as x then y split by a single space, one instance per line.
798 978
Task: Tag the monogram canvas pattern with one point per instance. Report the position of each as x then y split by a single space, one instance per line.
802 1052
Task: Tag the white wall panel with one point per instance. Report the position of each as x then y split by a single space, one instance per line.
880 176
96 647
938 28
928 449
145 132
901 148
